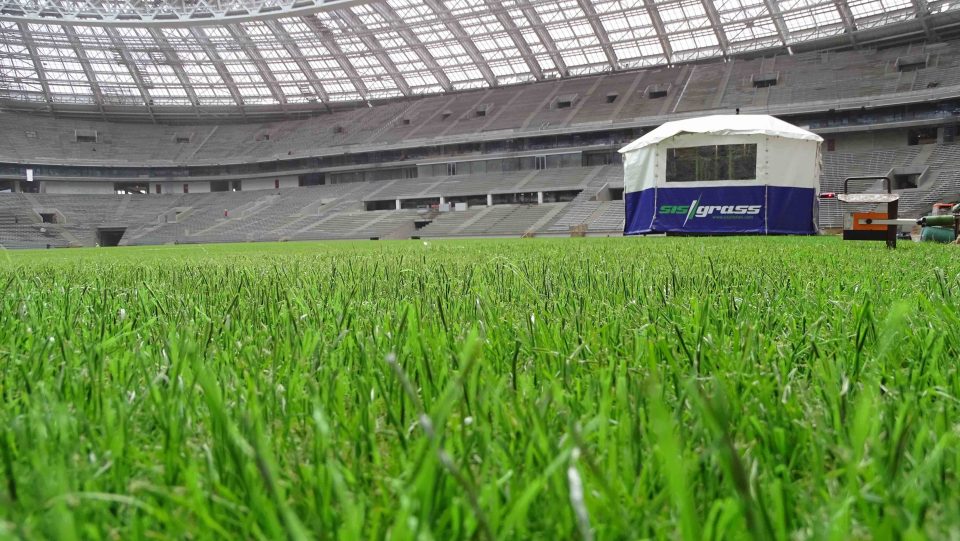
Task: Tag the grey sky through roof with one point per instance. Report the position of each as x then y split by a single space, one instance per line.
276 52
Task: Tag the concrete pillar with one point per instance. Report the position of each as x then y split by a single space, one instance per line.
539 198
442 200
398 204
489 199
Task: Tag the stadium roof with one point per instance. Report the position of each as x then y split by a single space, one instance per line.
238 53
723 125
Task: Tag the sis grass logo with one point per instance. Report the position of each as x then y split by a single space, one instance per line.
695 210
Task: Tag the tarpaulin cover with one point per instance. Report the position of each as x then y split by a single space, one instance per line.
724 125
736 210
781 199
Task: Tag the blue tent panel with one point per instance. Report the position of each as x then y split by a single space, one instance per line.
721 210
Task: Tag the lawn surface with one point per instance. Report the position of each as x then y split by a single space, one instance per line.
691 388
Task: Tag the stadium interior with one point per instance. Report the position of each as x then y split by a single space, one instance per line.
446 118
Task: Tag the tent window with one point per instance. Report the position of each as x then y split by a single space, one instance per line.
712 162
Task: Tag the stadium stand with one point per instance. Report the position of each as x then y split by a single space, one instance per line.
806 78
337 211
382 165
321 212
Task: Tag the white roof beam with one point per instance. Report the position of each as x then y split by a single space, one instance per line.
848 21
922 11
521 44
602 37
711 10
541 31
85 64
328 41
173 59
284 38
250 48
371 42
444 15
132 68
218 64
35 58
777 16
661 30
161 11
414 42
177 13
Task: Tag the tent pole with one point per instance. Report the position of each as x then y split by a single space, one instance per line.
766 209
653 215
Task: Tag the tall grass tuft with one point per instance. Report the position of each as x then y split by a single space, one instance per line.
731 388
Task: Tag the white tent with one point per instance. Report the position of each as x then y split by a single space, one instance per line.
722 174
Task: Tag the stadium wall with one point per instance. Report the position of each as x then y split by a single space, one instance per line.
287 181
847 139
868 140
94 187
73 187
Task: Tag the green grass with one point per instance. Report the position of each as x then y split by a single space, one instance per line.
766 388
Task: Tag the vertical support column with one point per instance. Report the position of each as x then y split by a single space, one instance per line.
489 199
892 214
442 200
539 198
398 204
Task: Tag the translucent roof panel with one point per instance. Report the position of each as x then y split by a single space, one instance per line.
19 79
494 37
811 19
114 75
573 36
434 27
869 13
266 51
242 70
270 53
65 77
631 32
747 25
203 73
402 53
321 62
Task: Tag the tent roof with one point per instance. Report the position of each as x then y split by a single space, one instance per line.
724 125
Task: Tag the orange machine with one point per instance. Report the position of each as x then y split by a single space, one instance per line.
880 226
869 221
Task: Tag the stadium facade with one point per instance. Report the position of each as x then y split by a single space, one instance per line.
203 121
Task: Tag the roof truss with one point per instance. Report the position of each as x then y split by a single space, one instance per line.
388 13
286 52
204 41
454 26
124 53
297 55
253 53
326 37
352 21
37 61
173 59
85 62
